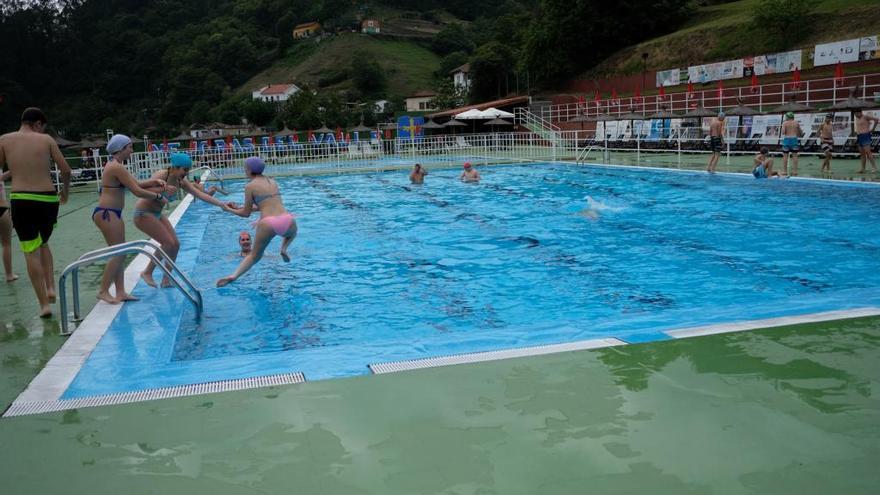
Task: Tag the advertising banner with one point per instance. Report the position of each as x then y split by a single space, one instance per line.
841 128
838 51
774 63
671 77
730 69
746 130
731 124
868 48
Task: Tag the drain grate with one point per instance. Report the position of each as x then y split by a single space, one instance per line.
478 357
27 408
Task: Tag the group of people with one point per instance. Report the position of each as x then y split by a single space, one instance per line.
469 174
791 135
32 209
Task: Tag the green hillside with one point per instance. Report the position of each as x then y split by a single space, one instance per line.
327 65
724 31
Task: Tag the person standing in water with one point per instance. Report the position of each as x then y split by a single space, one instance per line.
417 176
148 216
107 216
469 174
274 220
29 153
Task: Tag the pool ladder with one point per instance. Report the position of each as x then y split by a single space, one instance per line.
140 246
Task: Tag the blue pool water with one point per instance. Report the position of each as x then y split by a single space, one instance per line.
385 271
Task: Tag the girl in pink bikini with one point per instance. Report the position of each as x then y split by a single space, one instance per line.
262 192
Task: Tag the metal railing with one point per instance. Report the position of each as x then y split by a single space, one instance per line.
813 92
139 246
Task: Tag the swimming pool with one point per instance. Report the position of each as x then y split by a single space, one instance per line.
384 271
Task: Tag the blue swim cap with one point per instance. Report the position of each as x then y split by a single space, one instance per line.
255 165
181 160
117 143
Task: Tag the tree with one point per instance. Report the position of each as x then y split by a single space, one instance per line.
452 38
367 75
782 22
448 95
489 70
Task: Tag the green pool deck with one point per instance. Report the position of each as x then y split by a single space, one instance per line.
792 410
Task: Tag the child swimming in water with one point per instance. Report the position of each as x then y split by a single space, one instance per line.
274 219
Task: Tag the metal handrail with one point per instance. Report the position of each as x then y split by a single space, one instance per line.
211 172
138 246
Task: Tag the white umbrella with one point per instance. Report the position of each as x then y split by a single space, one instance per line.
494 113
472 114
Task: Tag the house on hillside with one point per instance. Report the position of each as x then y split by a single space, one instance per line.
461 77
371 26
276 93
306 30
420 101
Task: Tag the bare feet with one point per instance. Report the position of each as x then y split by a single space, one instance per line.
107 298
51 295
125 296
166 283
46 311
148 279
285 256
11 278
225 281
860 172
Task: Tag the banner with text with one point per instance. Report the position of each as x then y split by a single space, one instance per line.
838 51
671 77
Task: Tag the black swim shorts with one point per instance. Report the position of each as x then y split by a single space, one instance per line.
34 215
715 144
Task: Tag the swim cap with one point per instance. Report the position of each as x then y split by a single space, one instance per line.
789 115
117 143
829 116
720 115
255 165
181 160
467 164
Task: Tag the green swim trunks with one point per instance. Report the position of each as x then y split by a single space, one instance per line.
34 216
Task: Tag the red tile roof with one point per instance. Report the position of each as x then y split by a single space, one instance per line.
422 94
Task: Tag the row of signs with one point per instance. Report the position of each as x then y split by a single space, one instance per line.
764 129
853 50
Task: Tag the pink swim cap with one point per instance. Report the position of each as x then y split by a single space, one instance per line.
467 164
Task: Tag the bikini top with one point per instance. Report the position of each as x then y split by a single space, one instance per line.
262 197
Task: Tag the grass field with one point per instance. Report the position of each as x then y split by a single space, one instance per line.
408 66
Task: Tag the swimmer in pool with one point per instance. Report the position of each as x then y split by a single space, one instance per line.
469 174
274 218
417 176
245 243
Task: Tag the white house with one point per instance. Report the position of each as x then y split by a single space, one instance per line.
275 92
461 77
420 101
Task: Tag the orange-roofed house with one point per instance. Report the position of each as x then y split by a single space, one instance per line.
276 93
306 30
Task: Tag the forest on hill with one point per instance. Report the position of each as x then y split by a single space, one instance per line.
158 65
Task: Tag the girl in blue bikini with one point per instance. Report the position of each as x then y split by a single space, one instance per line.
115 179
148 215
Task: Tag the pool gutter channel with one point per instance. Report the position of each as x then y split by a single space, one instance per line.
44 392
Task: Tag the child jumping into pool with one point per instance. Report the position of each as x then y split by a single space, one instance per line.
274 219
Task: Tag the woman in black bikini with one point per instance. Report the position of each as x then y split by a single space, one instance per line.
6 231
108 215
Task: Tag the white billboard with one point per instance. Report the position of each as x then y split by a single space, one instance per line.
838 51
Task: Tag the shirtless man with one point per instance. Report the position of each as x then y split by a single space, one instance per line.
864 129
763 165
791 144
716 141
469 174
417 176
29 153
826 138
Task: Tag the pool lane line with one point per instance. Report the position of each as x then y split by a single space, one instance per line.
28 408
61 369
